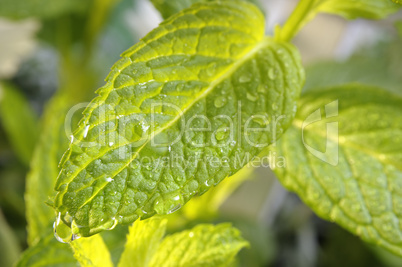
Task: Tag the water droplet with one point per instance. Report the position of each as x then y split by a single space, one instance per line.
191 234
221 133
251 97
71 139
62 232
272 73
244 78
111 143
180 87
115 222
86 131
75 237
109 179
175 208
262 89
220 101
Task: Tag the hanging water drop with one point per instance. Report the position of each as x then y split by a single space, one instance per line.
115 222
62 232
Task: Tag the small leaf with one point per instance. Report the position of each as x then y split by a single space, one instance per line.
346 164
19 121
204 245
91 252
48 252
168 8
142 242
183 94
352 9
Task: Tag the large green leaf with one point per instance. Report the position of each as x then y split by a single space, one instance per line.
168 8
209 63
18 9
91 252
48 252
19 121
142 242
346 164
204 245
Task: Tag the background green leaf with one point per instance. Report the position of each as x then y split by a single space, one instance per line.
362 192
91 252
9 247
204 245
48 252
19 121
18 9
202 60
377 66
44 168
142 242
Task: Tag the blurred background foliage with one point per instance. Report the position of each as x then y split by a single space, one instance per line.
55 54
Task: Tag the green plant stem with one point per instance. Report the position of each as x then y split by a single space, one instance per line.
303 13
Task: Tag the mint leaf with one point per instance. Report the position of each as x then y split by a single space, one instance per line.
348 170
142 242
48 252
168 8
204 245
210 63
19 121
91 252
